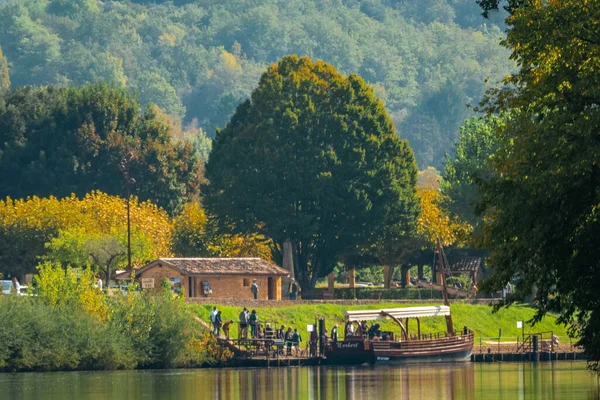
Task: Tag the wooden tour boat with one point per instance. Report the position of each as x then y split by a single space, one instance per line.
417 347
448 346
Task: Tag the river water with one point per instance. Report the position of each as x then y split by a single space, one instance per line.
547 381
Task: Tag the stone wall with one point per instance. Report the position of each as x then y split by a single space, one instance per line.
159 273
229 287
223 287
287 303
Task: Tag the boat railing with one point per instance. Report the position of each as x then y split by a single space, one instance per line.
424 337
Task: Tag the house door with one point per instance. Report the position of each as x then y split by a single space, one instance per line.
271 284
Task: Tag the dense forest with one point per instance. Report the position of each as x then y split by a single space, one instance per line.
198 59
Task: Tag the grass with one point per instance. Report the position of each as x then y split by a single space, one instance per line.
477 317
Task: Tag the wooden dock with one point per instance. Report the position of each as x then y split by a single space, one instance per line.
267 353
528 357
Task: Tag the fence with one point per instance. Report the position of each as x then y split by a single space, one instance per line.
368 293
547 341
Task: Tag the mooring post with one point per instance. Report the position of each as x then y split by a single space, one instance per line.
534 345
321 334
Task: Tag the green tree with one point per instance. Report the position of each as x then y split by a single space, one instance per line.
478 141
313 158
543 201
4 77
105 252
62 141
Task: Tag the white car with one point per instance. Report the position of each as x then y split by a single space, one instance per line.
7 288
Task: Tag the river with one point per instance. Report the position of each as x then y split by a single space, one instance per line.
547 381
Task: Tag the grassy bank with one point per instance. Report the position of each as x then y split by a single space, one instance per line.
477 317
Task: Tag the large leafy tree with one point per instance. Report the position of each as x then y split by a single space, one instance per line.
62 141
312 158
543 204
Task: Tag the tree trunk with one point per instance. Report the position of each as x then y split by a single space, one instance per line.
403 270
420 272
287 264
352 278
107 277
331 283
388 276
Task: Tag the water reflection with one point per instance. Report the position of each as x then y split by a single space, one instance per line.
546 381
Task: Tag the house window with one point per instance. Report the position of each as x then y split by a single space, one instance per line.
246 281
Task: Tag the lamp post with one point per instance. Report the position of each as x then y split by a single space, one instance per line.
124 167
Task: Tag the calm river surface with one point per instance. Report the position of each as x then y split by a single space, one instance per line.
563 380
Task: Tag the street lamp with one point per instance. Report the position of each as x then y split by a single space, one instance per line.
124 167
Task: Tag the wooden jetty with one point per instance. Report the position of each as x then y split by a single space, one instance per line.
533 347
254 352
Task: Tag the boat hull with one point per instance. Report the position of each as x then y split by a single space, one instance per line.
442 349
462 356
432 350
349 352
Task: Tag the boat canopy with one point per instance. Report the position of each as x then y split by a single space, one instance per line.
405 312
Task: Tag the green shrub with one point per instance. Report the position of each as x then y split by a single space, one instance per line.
142 331
38 337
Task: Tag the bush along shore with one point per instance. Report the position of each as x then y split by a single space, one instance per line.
69 324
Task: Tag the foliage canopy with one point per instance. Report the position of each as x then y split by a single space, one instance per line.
199 59
60 141
543 201
66 224
313 158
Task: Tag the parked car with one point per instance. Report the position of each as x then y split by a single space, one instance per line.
6 287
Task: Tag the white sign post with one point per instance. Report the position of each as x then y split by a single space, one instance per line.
521 325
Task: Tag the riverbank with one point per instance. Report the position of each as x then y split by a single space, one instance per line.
479 318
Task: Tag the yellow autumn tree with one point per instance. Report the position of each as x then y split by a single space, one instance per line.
434 222
26 225
195 235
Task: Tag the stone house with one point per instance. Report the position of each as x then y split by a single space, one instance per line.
219 278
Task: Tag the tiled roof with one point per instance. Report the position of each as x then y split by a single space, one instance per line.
466 264
219 266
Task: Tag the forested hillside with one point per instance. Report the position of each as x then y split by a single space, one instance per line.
197 59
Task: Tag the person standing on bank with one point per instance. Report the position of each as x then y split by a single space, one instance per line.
218 323
15 285
254 288
244 323
294 289
253 323
213 315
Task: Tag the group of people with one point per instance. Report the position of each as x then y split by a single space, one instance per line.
216 320
373 332
290 337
